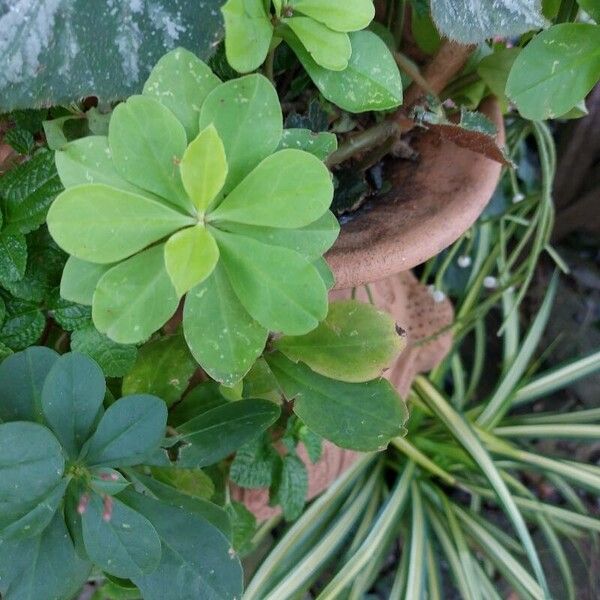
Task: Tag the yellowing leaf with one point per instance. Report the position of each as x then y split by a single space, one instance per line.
190 256
204 168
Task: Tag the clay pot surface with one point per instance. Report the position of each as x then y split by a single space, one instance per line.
431 204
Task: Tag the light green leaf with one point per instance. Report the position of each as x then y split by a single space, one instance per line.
354 343
22 377
247 115
220 431
181 81
370 82
495 67
289 189
243 525
135 298
320 144
190 257
13 257
278 287
592 8
350 15
80 278
204 168
310 241
325 272
196 559
41 567
130 429
474 22
31 465
115 359
147 143
359 416
556 70
193 482
221 334
89 160
119 539
102 224
72 397
329 49
163 368
248 33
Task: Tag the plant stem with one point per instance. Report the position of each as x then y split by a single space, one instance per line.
268 67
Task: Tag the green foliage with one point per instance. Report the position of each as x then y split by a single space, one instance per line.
473 23
50 56
556 70
66 494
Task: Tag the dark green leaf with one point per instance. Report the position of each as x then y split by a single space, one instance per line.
320 144
42 567
20 139
312 442
115 359
72 398
22 377
243 525
254 464
219 432
358 416
31 465
204 397
197 560
291 487
474 22
131 428
58 52
23 325
13 257
119 539
27 191
69 315
163 368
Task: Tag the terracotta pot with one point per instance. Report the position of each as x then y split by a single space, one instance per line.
431 204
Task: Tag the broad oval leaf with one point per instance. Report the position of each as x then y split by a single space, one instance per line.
163 368
320 144
38 517
248 33
197 559
135 298
358 416
329 49
371 81
80 278
102 224
311 241
22 377
190 257
44 566
222 336
89 160
278 287
350 15
147 143
204 168
130 429
72 397
181 81
31 464
247 115
354 343
119 539
290 188
474 22
555 70
220 431
495 68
